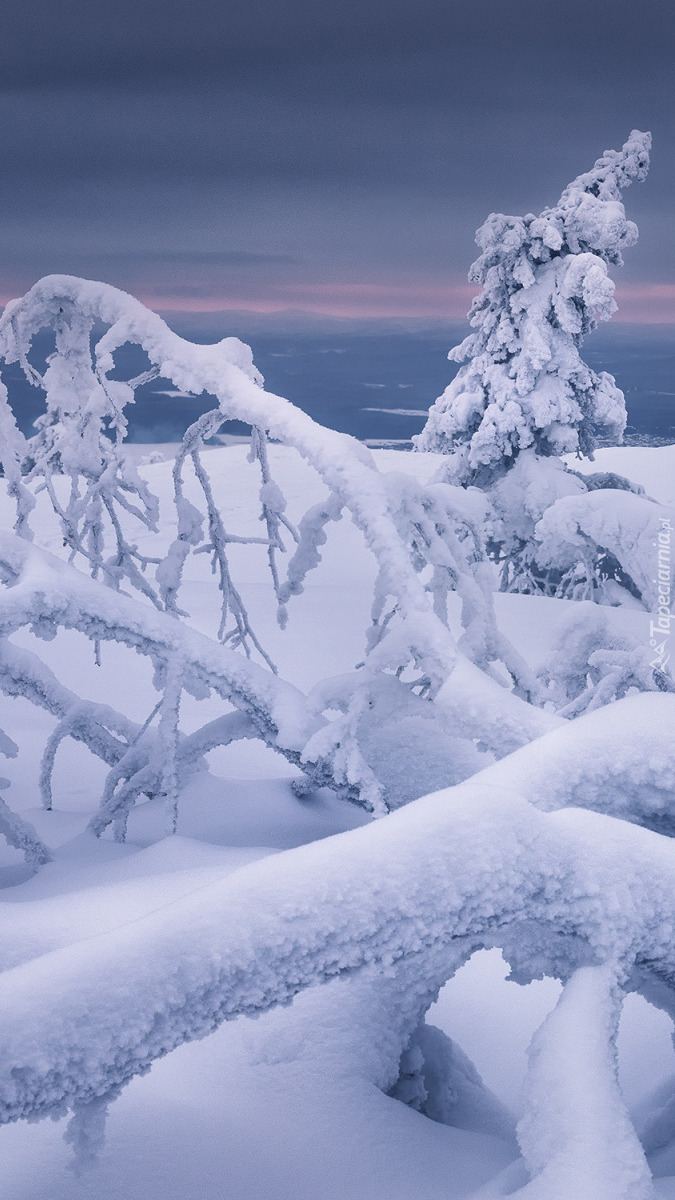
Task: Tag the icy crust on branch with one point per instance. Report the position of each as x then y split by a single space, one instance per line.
562 892
544 286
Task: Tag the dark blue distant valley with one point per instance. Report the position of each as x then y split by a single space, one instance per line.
374 381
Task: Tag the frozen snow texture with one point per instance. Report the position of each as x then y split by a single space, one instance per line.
545 284
563 892
438 1079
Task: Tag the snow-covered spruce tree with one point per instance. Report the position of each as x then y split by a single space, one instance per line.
524 395
426 542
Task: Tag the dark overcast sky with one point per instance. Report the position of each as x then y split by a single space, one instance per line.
329 156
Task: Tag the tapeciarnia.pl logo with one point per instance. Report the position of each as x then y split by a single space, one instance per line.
659 626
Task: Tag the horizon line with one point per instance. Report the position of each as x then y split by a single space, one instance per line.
637 303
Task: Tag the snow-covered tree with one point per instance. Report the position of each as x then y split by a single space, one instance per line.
545 285
524 395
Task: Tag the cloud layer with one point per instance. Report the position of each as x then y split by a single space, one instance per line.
336 157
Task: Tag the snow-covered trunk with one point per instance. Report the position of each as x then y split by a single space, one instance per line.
576 1136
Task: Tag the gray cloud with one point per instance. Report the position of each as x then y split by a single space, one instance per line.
269 145
171 258
95 38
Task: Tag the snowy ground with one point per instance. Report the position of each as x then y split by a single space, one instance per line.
280 1106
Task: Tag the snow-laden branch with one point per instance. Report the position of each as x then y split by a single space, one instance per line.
426 541
226 371
591 763
17 832
129 749
44 591
473 866
20 834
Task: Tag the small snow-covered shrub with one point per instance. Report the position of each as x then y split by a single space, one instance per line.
591 665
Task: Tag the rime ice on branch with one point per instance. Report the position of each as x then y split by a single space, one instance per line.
426 542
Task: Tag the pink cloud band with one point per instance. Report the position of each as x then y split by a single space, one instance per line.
641 303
